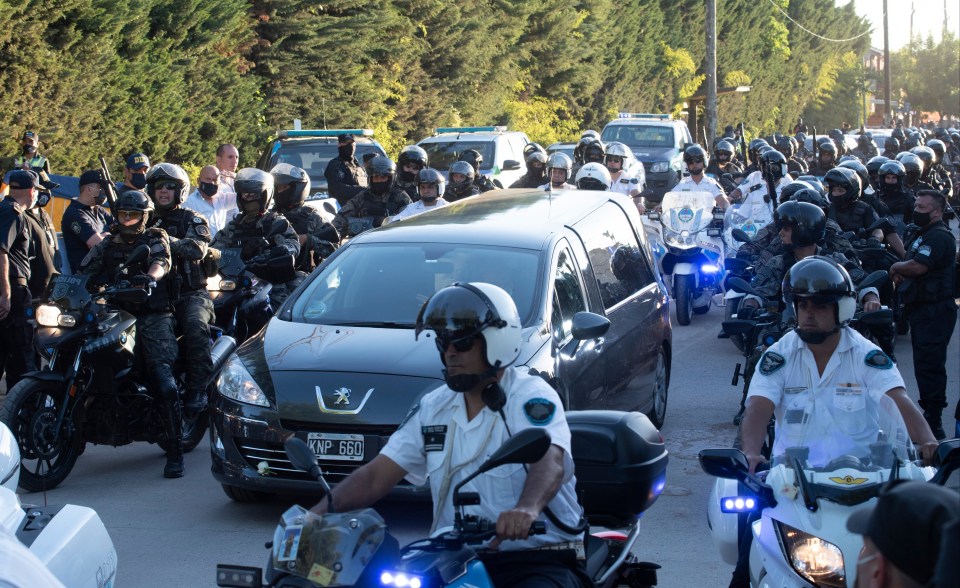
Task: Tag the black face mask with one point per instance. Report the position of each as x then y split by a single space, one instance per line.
208 189
29 149
347 151
380 188
139 180
921 219
408 176
101 198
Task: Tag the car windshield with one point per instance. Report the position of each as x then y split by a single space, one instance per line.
386 284
639 135
443 154
313 156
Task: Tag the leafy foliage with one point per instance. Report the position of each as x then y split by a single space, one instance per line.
927 75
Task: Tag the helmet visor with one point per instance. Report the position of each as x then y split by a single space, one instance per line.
456 314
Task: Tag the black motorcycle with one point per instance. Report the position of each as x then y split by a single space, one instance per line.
93 387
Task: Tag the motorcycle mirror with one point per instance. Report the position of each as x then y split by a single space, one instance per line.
587 325
740 236
329 208
740 285
724 463
300 454
527 446
947 452
140 253
738 326
877 318
873 280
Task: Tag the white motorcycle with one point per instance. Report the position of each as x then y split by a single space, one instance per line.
71 541
800 538
693 250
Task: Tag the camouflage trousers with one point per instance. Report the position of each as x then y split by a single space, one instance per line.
194 313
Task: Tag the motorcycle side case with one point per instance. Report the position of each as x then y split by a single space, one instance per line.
75 546
9 459
723 525
621 464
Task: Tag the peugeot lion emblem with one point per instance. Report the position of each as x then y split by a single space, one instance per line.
340 396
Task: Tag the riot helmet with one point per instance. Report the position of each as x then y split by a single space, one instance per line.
533 148
133 212
811 196
899 135
828 153
724 152
843 185
754 147
787 192
820 280
382 166
594 152
928 156
806 220
913 166
172 177
861 171
891 168
891 144
593 176
433 181
537 165
873 169
774 165
291 186
462 168
695 152
474 158
816 183
254 189
938 147
787 146
411 154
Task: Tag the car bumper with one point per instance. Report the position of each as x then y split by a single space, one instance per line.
242 436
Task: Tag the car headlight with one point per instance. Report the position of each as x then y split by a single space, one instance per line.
815 559
236 383
659 167
49 315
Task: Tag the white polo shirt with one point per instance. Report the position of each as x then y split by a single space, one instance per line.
437 443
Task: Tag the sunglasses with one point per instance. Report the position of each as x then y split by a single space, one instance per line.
249 196
130 214
695 160
165 186
461 341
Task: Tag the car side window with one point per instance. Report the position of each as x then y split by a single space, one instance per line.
568 295
614 254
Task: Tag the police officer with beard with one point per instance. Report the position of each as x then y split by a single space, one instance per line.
156 341
189 234
926 283
375 203
249 231
318 238
412 159
346 177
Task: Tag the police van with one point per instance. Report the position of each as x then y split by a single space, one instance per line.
658 141
501 149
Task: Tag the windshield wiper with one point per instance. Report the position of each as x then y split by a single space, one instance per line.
377 324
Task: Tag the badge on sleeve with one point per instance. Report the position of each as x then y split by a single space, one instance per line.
924 250
771 362
434 437
75 227
539 411
878 359
413 410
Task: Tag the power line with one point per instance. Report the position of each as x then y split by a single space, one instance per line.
805 29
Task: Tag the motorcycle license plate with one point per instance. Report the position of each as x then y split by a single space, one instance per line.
336 446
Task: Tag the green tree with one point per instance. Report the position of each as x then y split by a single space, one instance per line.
928 75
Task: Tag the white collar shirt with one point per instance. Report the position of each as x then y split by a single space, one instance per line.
417 207
218 211
706 184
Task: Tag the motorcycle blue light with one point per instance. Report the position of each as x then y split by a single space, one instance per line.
709 268
738 504
400 580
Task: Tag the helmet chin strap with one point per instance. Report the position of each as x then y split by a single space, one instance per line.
467 382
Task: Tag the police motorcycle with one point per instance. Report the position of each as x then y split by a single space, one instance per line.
838 455
92 388
736 268
693 250
241 289
70 540
620 463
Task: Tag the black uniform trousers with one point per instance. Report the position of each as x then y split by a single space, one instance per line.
194 314
17 356
931 326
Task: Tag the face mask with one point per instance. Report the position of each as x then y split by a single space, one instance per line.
139 180
29 149
921 219
101 198
379 188
347 151
43 199
408 176
209 189
251 207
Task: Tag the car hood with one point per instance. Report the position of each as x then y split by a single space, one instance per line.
651 154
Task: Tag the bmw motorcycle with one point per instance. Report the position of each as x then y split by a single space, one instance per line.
93 387
621 470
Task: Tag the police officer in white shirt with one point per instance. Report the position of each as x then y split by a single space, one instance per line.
454 429
696 159
217 205
430 187
626 173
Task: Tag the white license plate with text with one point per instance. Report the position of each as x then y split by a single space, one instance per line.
336 446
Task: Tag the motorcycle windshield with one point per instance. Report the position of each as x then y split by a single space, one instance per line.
69 292
750 217
687 211
332 550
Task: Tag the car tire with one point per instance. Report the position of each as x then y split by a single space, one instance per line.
682 292
244 495
661 390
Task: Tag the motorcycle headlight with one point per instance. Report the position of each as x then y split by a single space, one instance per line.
659 167
815 559
401 580
236 383
217 284
49 315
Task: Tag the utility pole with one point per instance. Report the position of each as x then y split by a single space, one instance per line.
913 10
710 113
888 113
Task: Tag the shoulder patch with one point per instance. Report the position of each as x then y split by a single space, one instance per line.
878 359
634 181
771 362
539 411
413 410
199 220
75 227
924 250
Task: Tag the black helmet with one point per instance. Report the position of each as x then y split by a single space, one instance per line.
938 147
828 147
253 185
891 167
754 147
847 179
382 165
537 164
787 192
774 165
428 175
955 138
693 152
899 135
787 146
594 152
533 148
464 168
587 137
891 144
136 201
822 281
913 166
291 186
928 155
806 220
411 154
874 163
816 183
913 140
860 169
811 196
724 147
474 158
168 172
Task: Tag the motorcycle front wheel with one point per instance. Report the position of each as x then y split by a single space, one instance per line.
682 295
47 452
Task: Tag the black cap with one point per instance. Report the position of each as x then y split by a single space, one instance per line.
345 138
22 179
905 524
91 176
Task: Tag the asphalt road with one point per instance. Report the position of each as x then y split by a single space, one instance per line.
174 532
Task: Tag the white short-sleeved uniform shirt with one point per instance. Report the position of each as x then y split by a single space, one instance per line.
627 183
417 207
706 184
847 395
437 443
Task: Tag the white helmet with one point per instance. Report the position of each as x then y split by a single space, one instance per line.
620 150
559 161
593 176
464 311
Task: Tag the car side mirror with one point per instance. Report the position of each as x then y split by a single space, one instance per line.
511 165
724 463
587 325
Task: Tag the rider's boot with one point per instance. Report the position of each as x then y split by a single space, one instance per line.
174 445
195 402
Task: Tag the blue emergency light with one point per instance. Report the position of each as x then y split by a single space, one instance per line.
400 580
738 504
710 268
286 134
646 115
441 130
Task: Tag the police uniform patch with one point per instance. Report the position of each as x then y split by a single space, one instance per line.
197 220
771 362
75 227
924 250
203 231
539 411
413 410
878 359
634 181
434 437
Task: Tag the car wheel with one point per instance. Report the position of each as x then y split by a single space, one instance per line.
682 292
244 495
661 385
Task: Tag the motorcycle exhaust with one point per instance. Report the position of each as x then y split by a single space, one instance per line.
220 351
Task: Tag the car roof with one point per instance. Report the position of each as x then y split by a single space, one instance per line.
522 218
468 136
648 122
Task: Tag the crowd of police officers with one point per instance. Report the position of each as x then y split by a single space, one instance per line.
910 184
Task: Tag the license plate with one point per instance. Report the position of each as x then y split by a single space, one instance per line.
336 446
